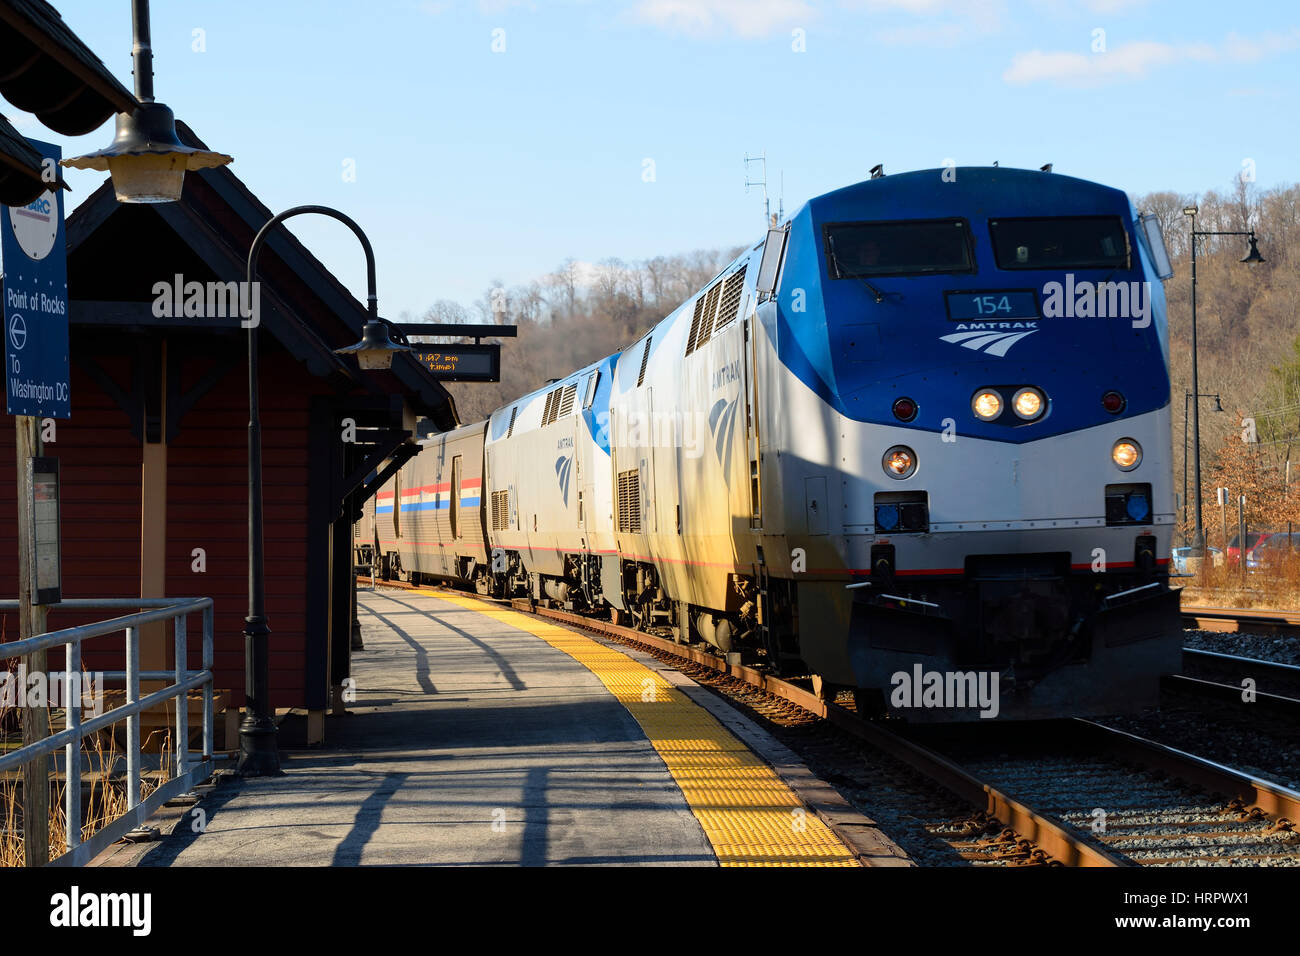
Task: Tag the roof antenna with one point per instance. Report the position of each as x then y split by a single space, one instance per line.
1046 168
878 171
767 206
995 164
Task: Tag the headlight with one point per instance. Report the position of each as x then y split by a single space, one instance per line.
899 462
1028 403
1127 454
987 405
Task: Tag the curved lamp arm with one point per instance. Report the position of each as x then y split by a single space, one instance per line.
372 301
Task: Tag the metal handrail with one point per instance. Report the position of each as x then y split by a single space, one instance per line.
184 680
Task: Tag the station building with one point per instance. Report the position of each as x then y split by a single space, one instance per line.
154 457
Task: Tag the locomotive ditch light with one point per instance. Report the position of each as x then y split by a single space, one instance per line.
1028 403
899 462
1127 454
987 405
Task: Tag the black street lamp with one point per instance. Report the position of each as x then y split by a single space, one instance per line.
258 755
146 160
1251 258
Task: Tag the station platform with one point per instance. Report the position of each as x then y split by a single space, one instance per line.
485 736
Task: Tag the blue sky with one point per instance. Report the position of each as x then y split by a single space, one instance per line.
473 165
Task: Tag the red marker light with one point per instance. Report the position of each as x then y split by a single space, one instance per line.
1113 402
904 409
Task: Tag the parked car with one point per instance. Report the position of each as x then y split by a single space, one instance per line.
1273 550
1253 540
1180 556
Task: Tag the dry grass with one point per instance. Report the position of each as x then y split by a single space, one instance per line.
1276 587
104 802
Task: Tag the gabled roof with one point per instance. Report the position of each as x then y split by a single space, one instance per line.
303 305
48 70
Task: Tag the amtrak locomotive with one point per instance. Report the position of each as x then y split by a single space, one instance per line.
916 438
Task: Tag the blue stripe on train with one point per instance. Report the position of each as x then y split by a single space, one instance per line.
429 506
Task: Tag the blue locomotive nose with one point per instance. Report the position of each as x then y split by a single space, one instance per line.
1004 279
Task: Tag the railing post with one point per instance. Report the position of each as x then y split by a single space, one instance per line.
132 720
182 699
208 747
72 752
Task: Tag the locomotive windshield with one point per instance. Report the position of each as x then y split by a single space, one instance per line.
1075 242
923 247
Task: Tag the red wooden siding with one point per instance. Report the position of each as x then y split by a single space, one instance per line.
207 507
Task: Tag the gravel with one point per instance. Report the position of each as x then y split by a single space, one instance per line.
1265 647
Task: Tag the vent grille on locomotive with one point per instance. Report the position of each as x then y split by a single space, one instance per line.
629 500
500 510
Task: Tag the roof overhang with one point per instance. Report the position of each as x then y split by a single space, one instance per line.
49 71
22 177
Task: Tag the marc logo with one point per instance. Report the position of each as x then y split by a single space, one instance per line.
722 422
991 338
563 465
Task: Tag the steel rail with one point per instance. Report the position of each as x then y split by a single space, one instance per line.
1279 803
1231 619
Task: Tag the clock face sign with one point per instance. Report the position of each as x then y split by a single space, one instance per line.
36 225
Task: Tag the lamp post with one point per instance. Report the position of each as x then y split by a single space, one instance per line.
258 755
1251 258
146 160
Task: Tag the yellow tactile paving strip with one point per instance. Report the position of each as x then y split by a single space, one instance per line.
749 815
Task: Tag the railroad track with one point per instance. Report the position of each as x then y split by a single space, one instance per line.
1231 619
1220 677
1147 803
1158 805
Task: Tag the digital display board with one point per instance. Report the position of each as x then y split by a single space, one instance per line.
986 306
461 363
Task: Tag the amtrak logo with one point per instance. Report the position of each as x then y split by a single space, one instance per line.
722 422
991 338
563 465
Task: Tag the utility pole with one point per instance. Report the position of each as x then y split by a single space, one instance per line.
31 621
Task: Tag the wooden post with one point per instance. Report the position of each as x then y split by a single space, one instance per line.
155 643
31 621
